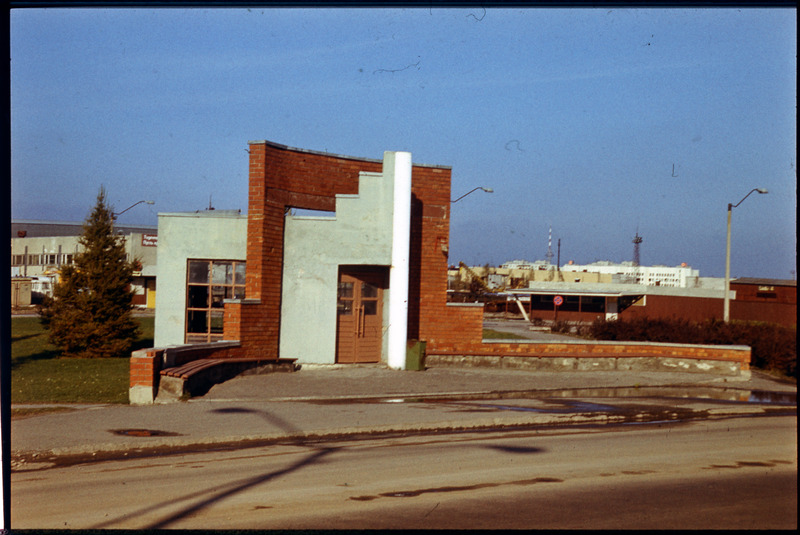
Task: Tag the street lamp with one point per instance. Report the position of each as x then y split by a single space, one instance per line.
726 315
115 215
487 190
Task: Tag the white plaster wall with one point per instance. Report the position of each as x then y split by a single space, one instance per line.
314 248
203 235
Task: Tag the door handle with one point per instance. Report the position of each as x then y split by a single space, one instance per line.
358 311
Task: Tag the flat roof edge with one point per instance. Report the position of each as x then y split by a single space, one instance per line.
71 223
218 215
336 155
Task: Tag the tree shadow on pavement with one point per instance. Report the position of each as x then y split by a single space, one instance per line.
203 499
270 418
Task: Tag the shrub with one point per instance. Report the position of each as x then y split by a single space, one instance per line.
560 326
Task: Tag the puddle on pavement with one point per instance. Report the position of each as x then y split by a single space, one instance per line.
436 490
749 464
570 399
773 398
143 433
559 407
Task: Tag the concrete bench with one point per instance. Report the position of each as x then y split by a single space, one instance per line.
195 378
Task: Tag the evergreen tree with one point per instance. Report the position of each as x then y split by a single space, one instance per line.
90 314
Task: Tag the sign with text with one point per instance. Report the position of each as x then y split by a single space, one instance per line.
149 240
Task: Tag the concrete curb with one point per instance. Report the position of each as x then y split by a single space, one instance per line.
42 459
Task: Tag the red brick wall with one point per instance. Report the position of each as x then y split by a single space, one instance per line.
704 308
145 367
763 293
671 306
780 313
281 177
741 356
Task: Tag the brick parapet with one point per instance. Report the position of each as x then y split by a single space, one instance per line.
145 367
735 354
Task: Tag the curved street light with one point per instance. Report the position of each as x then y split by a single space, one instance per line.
487 190
726 312
116 214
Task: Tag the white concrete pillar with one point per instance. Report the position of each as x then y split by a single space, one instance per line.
400 165
612 308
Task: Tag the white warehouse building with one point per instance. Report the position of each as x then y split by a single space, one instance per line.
682 276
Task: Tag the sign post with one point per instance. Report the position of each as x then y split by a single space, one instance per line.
557 302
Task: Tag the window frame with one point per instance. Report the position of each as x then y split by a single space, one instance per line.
213 291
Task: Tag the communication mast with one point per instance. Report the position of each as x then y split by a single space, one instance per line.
637 240
550 246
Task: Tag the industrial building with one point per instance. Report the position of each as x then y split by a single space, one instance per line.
682 276
520 272
40 248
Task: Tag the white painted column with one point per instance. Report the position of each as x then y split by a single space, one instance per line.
612 308
400 164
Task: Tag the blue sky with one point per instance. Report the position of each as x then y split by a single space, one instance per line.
595 122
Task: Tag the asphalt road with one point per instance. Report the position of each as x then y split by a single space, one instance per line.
734 473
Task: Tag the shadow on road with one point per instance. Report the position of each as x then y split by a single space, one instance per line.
276 421
200 500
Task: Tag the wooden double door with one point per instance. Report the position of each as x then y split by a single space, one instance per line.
359 309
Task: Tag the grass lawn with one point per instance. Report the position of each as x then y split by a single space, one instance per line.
39 375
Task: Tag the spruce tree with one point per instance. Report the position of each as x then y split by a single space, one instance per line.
90 314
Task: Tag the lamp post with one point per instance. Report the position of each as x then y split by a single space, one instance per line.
727 303
487 190
115 215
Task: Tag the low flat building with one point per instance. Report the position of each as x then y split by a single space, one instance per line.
767 300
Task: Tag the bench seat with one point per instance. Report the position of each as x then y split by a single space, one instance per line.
196 377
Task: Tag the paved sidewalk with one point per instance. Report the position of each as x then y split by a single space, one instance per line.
325 401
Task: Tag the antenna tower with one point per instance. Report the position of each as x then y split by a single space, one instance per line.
636 241
550 246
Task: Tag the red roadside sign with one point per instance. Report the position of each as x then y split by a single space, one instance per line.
558 300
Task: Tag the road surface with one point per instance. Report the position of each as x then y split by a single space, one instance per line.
737 473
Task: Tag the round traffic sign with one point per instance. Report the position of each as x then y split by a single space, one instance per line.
558 300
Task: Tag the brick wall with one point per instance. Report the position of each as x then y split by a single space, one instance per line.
282 177
736 354
145 367
673 306
780 313
604 356
765 292
700 309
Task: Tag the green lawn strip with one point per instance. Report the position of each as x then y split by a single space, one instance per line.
39 375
